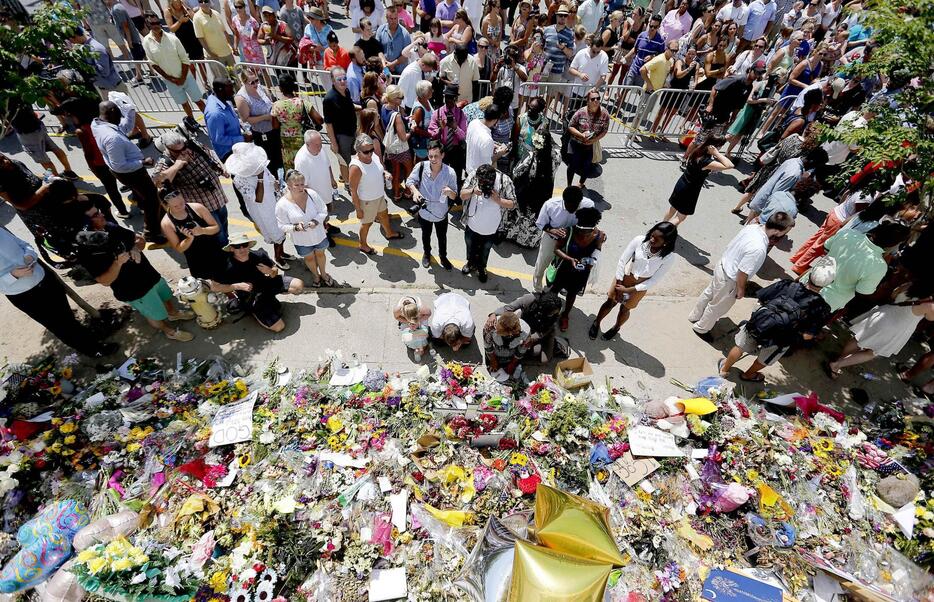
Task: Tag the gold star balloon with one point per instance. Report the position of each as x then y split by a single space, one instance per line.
539 573
576 526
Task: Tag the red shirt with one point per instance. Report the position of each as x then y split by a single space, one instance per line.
340 59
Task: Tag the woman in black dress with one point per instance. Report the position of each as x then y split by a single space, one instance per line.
705 161
575 256
179 19
191 230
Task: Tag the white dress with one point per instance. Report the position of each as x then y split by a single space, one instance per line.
263 214
885 329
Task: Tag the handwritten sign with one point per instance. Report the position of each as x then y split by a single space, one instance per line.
233 423
631 470
648 441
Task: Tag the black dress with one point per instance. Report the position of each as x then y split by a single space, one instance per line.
186 35
205 257
684 197
569 278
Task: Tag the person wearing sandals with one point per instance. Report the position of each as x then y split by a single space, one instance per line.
367 190
413 318
397 156
253 277
767 335
248 165
575 256
643 264
301 212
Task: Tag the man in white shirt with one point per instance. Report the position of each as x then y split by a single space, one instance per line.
759 19
589 12
741 260
555 216
451 321
412 74
486 193
736 11
313 162
481 150
589 67
461 69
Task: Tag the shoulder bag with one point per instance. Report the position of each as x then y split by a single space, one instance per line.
551 272
391 140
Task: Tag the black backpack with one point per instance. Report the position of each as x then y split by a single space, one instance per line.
776 322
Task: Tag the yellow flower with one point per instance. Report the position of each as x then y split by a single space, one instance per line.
452 474
335 424
85 555
244 460
56 448
218 582
68 427
56 421
66 372
121 565
133 447
69 439
140 558
97 565
55 389
519 459
752 475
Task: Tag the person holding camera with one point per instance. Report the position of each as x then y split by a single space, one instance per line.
114 257
449 127
191 230
509 73
487 193
302 212
433 185
193 171
576 253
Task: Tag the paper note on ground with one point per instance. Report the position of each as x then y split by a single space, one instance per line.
387 584
632 470
648 441
233 423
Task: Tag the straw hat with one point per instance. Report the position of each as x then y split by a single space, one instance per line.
239 238
246 159
562 10
315 13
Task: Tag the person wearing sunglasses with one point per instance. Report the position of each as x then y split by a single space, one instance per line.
367 190
191 230
587 127
212 33
168 58
648 44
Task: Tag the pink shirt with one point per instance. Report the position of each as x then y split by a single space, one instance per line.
674 26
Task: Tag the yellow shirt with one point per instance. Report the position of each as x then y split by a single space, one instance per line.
169 54
210 30
658 69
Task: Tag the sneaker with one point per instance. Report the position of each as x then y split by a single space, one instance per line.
466 269
70 175
482 276
179 335
446 264
182 314
426 261
190 123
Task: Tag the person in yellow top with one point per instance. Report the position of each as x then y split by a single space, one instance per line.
210 31
655 72
168 58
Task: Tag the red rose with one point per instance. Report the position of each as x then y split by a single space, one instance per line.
499 464
529 484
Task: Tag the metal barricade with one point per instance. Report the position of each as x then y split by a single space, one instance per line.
313 84
153 96
669 113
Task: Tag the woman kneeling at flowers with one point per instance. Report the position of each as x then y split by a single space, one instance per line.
504 340
413 318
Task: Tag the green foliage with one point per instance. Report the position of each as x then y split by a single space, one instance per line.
904 32
28 56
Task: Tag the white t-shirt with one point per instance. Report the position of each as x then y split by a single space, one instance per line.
847 208
593 66
737 14
288 214
451 308
830 14
483 215
317 171
837 150
479 145
411 75
746 252
372 184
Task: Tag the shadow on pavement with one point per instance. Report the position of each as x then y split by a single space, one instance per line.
694 255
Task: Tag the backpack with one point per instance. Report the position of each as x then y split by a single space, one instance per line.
775 323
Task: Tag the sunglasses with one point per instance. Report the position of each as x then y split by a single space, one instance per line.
238 6
760 45
204 1
253 82
154 23
366 151
243 245
593 99
340 78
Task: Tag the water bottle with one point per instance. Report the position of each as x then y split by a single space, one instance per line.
47 176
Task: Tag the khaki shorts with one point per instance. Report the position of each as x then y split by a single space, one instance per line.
633 299
373 208
37 144
767 355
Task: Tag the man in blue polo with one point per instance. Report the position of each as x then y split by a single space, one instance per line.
393 38
221 119
648 44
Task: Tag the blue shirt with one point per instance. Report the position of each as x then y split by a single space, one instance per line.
758 18
318 37
355 81
646 49
274 4
120 154
12 253
393 45
554 51
103 63
223 125
436 202
779 201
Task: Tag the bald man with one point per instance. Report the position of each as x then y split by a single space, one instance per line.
313 162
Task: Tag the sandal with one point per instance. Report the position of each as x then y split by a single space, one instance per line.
610 334
396 236
757 378
736 211
720 367
831 373
594 331
330 283
368 250
315 284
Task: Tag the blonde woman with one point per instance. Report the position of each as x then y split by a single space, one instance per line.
398 157
461 33
301 213
413 318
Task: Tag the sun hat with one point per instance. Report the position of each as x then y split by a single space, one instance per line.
315 13
837 85
246 159
239 238
562 10
268 9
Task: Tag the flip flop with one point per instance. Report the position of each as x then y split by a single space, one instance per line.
330 283
736 211
610 334
396 236
833 375
370 251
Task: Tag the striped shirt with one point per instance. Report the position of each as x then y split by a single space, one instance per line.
553 50
646 49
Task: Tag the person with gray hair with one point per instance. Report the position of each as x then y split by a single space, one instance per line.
420 119
312 161
790 312
368 192
193 170
340 118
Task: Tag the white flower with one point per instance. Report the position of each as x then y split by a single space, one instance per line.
171 577
138 578
267 437
171 553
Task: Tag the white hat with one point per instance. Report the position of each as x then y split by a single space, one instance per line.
246 159
824 272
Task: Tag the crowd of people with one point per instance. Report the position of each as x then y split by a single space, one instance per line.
450 108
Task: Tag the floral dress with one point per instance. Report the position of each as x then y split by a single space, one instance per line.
249 47
534 68
289 113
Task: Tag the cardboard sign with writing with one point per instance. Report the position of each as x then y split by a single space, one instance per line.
233 423
632 470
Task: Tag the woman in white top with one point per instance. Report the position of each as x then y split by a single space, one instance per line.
302 212
641 266
246 163
836 218
368 192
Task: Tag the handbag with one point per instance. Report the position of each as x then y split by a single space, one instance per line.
551 272
391 140
307 122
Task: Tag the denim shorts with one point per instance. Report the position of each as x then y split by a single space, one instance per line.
304 251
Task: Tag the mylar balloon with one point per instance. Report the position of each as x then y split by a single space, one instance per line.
576 526
46 545
542 574
485 575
